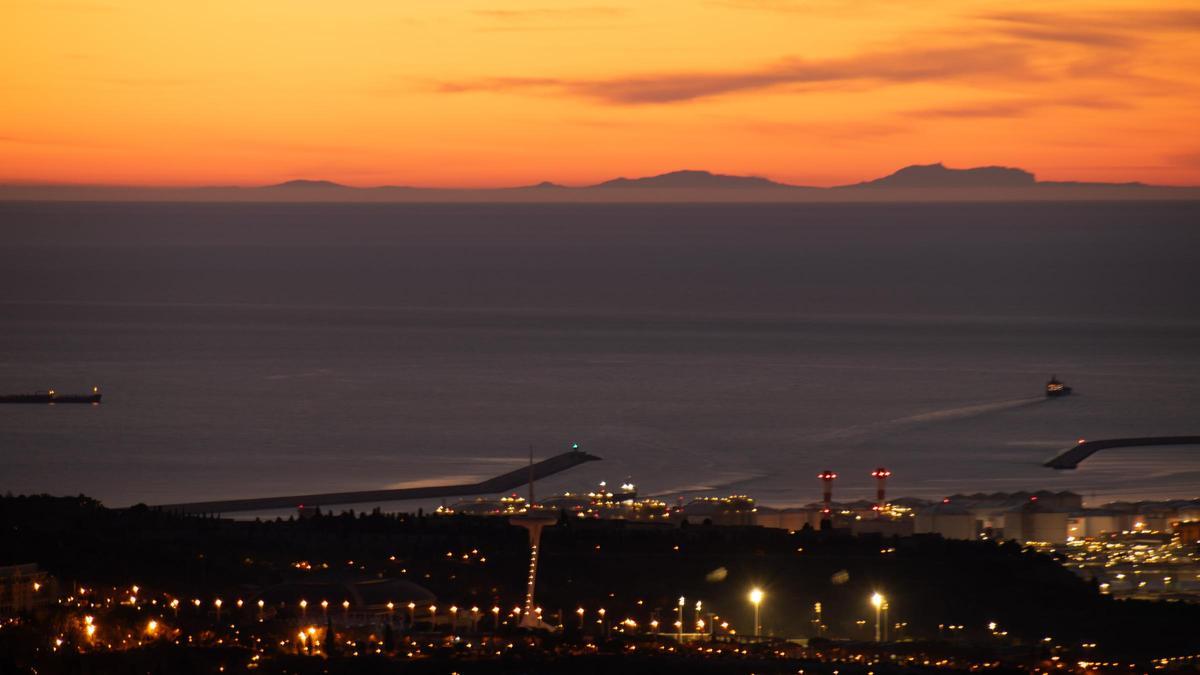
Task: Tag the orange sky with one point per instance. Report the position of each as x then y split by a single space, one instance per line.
490 93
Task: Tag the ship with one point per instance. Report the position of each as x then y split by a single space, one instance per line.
1056 388
51 396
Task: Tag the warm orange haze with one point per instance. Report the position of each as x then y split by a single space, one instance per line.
482 94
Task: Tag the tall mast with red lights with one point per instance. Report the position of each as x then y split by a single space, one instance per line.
881 475
827 477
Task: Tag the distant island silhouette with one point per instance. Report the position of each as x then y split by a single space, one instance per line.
693 179
302 183
939 176
918 182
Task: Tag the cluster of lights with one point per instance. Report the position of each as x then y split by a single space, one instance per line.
597 504
313 639
1138 564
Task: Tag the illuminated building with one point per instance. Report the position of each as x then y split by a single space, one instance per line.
1188 532
600 503
731 510
24 588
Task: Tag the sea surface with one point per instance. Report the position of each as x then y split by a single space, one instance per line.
265 349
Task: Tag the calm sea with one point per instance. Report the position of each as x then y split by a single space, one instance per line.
252 350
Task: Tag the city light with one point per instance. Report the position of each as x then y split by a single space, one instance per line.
756 598
879 602
1155 560
679 621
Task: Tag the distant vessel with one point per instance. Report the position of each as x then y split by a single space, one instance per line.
52 396
1056 388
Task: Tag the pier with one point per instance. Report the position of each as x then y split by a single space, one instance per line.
1071 458
501 483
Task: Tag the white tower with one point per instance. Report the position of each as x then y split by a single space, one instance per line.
534 523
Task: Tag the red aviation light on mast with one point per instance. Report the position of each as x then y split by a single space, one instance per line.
827 477
881 475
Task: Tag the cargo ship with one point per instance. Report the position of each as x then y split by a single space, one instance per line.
1056 388
52 396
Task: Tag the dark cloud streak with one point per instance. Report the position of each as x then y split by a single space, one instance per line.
901 66
1121 29
1016 108
1009 47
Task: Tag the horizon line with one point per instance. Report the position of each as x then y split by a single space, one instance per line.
768 183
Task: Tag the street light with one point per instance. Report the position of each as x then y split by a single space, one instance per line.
679 623
756 598
879 603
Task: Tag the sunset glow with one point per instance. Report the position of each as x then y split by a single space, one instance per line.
481 93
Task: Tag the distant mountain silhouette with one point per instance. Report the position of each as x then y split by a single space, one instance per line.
918 183
303 183
691 179
1076 183
940 176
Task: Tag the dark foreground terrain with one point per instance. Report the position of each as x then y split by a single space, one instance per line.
955 602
